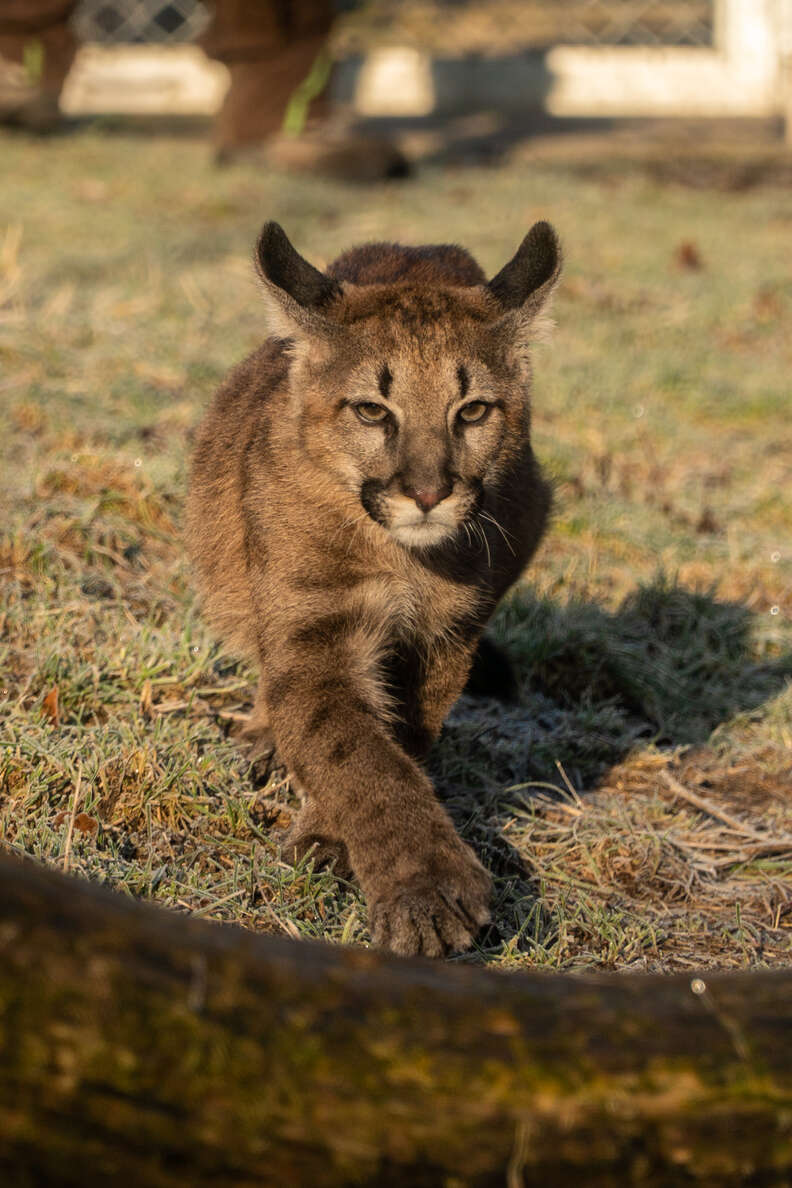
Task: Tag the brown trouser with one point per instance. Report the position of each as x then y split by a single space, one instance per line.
269 48
46 21
267 45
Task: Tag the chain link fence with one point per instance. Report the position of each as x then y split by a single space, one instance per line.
637 22
566 22
115 22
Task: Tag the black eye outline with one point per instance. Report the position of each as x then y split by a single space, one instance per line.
375 420
486 409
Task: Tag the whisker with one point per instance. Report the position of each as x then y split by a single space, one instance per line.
501 529
354 525
350 525
486 544
479 532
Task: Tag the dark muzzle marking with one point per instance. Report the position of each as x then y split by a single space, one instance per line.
371 497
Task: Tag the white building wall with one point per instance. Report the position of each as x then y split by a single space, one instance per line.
740 76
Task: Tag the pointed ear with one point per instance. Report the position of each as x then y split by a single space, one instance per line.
524 285
297 293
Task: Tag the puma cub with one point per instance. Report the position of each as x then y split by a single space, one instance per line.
363 492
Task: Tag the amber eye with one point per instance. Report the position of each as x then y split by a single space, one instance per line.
475 411
372 414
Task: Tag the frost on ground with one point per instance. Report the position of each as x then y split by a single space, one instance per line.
635 806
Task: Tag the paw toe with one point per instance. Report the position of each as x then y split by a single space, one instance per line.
426 924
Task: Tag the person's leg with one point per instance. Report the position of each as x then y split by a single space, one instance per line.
259 94
37 48
269 47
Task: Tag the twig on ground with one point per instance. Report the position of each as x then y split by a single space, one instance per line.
705 806
72 816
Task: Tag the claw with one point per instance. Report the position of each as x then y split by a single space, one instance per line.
420 917
303 839
260 749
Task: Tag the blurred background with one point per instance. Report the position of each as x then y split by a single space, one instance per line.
142 146
398 68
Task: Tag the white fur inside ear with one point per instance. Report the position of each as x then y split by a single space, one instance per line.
534 322
284 316
288 319
542 328
278 321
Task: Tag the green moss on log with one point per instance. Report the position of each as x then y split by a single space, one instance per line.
140 1044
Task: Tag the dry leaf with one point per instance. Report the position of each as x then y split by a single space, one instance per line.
706 522
688 256
85 823
767 303
49 706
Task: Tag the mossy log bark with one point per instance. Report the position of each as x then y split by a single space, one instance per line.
143 1047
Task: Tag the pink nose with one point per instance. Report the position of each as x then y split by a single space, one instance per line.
427 497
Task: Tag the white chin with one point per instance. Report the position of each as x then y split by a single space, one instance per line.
421 535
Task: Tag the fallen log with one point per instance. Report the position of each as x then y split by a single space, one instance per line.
141 1046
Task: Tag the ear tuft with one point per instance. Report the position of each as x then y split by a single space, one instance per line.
284 268
531 273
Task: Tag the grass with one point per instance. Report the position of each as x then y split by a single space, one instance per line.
636 806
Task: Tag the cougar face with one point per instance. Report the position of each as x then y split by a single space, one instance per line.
416 436
414 397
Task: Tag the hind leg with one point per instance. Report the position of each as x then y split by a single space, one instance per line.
308 835
257 738
492 673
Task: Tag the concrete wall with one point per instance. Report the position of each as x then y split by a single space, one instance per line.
143 80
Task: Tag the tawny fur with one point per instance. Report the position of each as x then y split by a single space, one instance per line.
359 561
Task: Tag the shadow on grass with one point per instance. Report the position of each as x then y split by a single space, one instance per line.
668 667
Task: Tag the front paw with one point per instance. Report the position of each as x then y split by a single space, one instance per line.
435 912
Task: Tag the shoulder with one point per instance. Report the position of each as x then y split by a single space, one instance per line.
258 374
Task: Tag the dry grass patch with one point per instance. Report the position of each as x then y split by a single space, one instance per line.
652 873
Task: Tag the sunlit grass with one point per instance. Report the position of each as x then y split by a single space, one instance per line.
653 636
